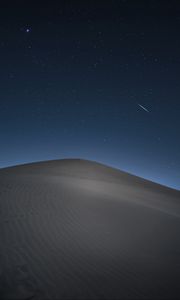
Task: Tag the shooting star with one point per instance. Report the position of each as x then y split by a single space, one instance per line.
145 109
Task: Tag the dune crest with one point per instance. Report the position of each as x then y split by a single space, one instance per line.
76 229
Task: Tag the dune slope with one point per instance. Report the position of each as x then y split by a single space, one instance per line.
75 229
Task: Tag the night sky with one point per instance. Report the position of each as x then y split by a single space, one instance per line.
92 79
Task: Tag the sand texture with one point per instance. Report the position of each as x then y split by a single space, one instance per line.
75 229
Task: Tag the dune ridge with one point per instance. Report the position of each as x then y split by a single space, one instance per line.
76 229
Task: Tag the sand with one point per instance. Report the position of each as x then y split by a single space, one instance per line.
75 229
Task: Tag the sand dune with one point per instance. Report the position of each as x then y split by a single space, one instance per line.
75 229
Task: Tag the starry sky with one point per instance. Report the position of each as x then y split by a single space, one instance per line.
92 79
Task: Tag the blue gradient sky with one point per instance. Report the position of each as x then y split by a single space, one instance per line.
73 75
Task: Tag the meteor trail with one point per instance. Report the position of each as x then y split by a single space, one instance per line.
145 109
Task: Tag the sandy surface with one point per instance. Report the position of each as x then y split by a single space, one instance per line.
74 229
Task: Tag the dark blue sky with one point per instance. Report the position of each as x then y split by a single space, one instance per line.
73 77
